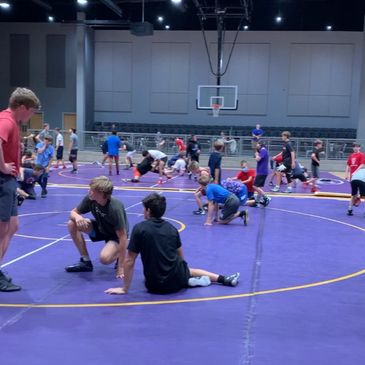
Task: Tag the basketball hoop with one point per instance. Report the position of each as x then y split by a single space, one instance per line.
215 109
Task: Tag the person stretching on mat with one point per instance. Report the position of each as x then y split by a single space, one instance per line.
146 165
110 224
159 244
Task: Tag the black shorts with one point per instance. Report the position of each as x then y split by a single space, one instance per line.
260 181
357 186
164 159
172 284
8 199
59 153
144 166
96 235
73 156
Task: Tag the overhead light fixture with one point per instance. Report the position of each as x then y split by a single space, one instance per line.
245 27
82 2
4 5
329 27
51 18
160 19
167 27
278 19
176 1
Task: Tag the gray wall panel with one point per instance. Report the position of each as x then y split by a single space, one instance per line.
56 60
19 60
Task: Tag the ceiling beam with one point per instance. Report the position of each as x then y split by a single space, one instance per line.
43 4
113 6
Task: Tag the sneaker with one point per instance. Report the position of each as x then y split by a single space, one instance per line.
231 280
44 193
81 266
189 175
244 215
74 171
199 212
275 189
5 277
314 189
288 190
8 286
349 212
199 281
20 200
266 201
134 180
205 207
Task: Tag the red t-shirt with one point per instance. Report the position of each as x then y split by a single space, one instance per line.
355 160
9 133
180 145
243 176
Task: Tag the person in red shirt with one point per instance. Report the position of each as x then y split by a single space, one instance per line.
22 105
247 176
355 161
181 146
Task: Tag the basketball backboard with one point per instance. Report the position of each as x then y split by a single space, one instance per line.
224 95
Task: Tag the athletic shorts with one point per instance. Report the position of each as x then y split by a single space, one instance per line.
230 207
116 157
164 159
357 186
73 156
315 171
59 153
300 177
144 167
96 235
260 181
130 153
8 199
172 284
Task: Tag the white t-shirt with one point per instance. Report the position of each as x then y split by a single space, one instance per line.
156 154
180 165
358 175
59 140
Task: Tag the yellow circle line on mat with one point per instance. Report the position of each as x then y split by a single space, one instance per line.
191 300
206 299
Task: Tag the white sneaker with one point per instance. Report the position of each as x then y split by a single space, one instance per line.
199 281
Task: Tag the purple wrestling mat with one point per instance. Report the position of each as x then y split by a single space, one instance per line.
300 299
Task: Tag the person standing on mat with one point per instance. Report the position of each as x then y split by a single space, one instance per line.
355 161
159 244
45 152
114 145
23 103
110 224
73 149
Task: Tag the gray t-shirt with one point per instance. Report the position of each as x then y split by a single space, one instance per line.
128 146
109 218
75 141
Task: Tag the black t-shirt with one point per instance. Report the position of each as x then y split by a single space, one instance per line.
287 150
316 153
157 241
109 218
214 163
193 149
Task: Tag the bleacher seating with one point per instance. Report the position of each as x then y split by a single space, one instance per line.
300 132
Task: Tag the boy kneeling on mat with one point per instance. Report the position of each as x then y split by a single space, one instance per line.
159 244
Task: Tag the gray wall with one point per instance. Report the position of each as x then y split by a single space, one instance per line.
55 100
289 79
306 79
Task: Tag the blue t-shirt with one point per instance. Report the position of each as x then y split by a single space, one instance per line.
113 145
258 133
44 157
216 193
262 167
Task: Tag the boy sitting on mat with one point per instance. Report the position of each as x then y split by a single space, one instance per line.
159 244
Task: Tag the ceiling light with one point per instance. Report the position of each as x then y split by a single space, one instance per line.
4 5
245 27
160 19
329 27
167 27
278 19
82 2
176 1
51 18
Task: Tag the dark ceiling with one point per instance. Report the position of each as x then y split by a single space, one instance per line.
343 15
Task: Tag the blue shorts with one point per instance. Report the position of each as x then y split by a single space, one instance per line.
8 199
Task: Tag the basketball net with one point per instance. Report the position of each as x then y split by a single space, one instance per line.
215 109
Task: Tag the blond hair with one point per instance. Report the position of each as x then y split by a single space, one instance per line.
193 165
218 145
287 134
204 179
22 96
102 184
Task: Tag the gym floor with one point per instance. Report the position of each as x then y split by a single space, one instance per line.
300 299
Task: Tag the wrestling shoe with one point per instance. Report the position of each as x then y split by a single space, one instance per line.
288 190
199 212
44 193
6 285
199 281
244 216
265 201
81 266
349 212
275 189
231 280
